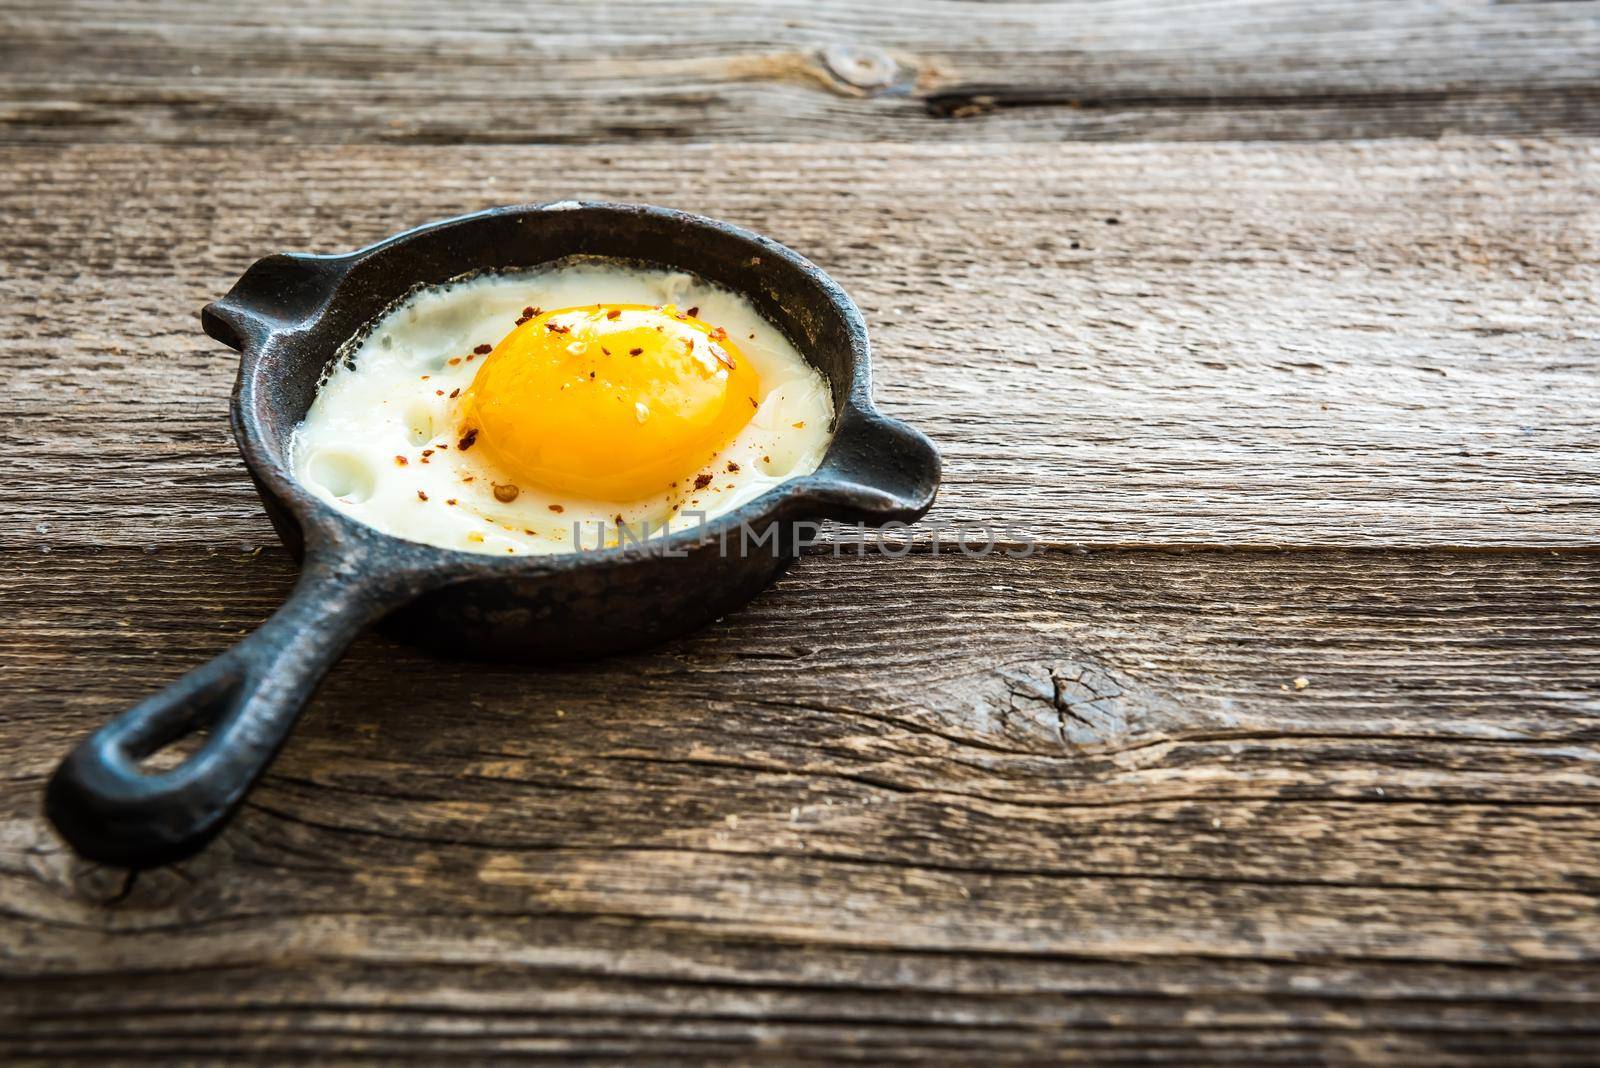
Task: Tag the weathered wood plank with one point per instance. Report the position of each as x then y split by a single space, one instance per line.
1111 828
1086 815
1310 345
501 71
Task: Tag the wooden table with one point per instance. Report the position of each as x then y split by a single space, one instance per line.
1277 325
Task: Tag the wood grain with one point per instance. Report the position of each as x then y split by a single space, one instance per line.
1284 749
1110 828
502 71
1323 345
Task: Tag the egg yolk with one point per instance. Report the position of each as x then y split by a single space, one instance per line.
609 401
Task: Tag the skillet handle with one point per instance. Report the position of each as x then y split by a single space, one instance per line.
878 470
247 699
276 292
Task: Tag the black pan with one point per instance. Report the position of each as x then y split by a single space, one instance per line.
286 317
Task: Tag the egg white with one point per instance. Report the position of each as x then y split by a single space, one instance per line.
387 398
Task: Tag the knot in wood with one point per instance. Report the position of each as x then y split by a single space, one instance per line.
861 68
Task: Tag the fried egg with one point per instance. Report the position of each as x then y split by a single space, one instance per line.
538 412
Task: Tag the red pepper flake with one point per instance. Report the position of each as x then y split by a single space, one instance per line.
454 393
591 374
732 467
438 393
801 425
467 439
702 481
753 403
618 518
557 509
426 377
694 312
634 352
427 452
521 319
506 493
400 461
722 356
605 350
557 328
484 350
529 312
468 478
752 335
719 334
766 459
450 500
614 313
444 446
455 360
421 496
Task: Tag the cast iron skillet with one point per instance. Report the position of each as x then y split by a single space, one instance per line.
286 317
